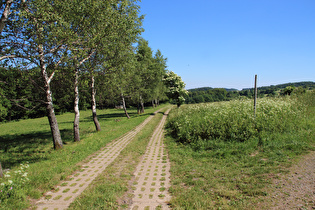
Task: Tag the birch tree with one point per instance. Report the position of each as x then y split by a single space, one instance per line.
39 35
107 28
143 74
157 85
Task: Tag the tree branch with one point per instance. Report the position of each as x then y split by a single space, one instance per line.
7 56
87 58
51 76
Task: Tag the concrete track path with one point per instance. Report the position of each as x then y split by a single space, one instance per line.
153 174
78 182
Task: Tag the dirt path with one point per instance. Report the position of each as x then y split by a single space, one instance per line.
152 174
78 182
295 190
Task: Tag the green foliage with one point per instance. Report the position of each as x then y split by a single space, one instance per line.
175 87
234 120
20 94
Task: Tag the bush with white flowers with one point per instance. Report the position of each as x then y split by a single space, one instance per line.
12 183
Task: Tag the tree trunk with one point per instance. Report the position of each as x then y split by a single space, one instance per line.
5 14
156 102
124 104
93 91
52 119
142 105
1 173
76 129
153 103
138 108
49 102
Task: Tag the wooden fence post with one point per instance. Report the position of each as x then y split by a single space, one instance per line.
255 97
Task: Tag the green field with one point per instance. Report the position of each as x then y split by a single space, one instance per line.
225 158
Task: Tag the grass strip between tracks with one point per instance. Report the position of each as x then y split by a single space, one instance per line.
113 188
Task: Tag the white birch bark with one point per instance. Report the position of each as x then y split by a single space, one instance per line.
76 107
93 91
49 103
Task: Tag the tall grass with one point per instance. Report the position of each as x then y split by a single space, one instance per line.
224 158
235 120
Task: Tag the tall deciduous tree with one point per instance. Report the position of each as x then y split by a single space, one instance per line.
144 72
38 35
157 85
175 88
124 77
108 28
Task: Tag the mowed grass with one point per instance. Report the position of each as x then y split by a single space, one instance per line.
29 141
233 172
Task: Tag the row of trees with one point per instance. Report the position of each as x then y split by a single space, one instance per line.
22 95
78 34
54 51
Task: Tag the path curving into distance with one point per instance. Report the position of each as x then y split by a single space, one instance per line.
78 182
153 174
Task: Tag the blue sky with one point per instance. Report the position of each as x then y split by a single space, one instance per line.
224 43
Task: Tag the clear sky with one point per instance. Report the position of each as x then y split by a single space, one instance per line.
224 43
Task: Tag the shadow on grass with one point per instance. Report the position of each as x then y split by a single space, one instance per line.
114 116
30 147
36 146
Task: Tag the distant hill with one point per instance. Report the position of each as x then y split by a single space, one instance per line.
306 85
209 88
209 94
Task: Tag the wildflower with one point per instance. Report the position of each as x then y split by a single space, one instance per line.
10 181
7 175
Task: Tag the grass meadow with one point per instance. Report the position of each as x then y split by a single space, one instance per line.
225 158
222 157
26 149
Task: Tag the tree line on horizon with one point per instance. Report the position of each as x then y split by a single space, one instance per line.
60 56
208 94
